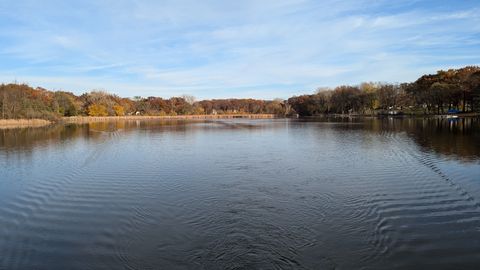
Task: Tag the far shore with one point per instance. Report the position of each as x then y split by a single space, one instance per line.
25 123
400 115
88 119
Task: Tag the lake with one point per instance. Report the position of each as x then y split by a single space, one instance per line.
327 193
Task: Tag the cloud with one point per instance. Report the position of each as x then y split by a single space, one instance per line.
231 48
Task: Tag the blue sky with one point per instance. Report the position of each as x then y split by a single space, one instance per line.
217 49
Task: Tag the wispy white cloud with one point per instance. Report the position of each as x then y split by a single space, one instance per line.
231 48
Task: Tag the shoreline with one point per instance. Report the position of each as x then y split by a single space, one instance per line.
23 123
89 119
440 116
31 123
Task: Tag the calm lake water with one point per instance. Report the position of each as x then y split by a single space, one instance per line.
242 194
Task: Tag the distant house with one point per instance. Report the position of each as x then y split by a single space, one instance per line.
214 112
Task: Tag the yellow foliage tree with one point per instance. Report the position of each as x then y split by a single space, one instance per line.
119 110
199 110
97 110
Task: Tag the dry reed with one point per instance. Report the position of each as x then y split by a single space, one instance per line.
22 123
88 119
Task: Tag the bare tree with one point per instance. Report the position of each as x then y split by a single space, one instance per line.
189 99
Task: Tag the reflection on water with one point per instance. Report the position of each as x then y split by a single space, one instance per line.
457 138
344 193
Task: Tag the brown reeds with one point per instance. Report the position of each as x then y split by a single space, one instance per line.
88 119
22 123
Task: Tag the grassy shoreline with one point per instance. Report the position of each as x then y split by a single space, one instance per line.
23 123
89 119
27 123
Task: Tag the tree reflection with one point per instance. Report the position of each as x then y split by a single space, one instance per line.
457 138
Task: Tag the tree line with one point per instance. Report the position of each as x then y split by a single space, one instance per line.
22 101
454 90
451 90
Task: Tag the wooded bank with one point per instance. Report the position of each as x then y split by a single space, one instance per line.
446 92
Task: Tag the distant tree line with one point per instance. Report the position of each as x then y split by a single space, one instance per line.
451 90
454 89
23 101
